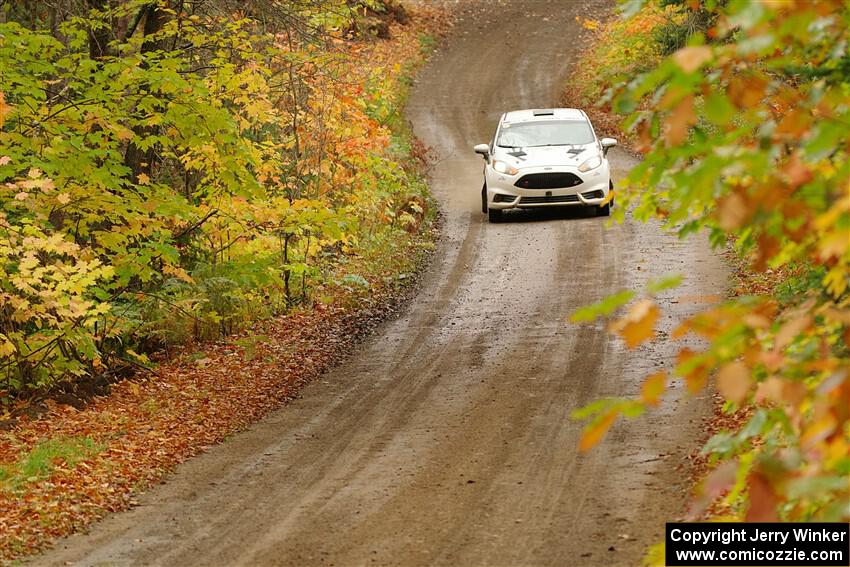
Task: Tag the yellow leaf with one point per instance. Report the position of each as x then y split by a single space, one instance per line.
590 24
594 432
123 134
177 272
692 58
6 346
639 324
63 198
653 387
734 381
143 179
818 431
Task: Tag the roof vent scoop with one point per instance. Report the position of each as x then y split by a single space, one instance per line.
544 112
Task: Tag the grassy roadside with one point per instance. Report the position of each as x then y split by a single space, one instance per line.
62 466
614 51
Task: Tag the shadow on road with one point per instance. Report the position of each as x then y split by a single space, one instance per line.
543 215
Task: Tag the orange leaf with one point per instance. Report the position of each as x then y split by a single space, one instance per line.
594 431
770 390
734 381
747 90
696 377
733 211
790 330
653 387
677 122
763 500
5 109
768 248
639 324
692 58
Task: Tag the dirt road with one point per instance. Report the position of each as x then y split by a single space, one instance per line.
446 439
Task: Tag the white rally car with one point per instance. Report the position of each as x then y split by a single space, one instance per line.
545 158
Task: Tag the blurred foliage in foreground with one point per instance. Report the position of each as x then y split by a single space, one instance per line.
744 130
172 170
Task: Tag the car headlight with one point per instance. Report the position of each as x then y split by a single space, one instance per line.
592 163
503 167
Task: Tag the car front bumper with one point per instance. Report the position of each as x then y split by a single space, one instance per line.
502 192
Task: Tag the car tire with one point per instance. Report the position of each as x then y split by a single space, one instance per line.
611 188
484 199
604 210
494 215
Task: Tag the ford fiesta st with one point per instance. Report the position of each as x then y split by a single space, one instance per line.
545 158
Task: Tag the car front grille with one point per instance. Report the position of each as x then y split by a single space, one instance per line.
549 199
598 194
557 180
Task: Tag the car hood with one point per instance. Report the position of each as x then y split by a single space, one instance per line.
547 156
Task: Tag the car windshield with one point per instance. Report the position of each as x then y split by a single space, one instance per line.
549 133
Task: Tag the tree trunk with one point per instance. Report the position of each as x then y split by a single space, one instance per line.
141 161
99 37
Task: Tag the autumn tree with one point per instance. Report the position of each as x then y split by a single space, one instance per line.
170 170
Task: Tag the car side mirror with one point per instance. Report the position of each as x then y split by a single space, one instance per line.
482 149
607 144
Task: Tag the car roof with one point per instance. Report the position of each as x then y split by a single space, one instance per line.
537 114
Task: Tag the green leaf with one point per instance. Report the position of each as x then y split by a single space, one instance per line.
602 308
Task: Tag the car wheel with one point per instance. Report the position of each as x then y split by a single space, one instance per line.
494 215
484 199
604 210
